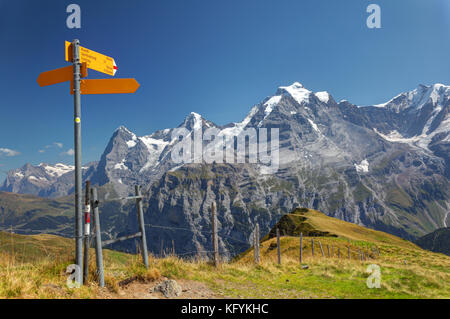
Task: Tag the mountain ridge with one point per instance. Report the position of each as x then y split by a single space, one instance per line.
335 157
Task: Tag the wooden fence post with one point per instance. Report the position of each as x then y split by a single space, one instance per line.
301 247
256 243
321 249
173 247
328 250
312 246
332 250
140 211
339 252
278 246
214 234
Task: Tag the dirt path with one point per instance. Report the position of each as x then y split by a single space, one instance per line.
140 290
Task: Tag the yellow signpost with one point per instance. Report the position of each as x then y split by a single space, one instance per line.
107 86
94 60
59 75
81 59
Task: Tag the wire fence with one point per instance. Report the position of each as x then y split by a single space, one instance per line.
197 231
65 233
357 251
232 244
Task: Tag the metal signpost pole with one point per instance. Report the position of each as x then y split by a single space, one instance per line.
77 137
214 234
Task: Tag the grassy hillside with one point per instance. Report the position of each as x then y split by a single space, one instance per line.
28 213
22 203
34 248
407 271
34 266
314 223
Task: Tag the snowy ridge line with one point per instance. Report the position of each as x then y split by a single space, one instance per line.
417 98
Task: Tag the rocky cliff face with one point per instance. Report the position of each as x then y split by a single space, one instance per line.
384 166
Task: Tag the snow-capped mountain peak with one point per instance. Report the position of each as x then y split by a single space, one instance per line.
424 94
296 91
124 130
419 117
323 96
195 121
295 85
43 179
125 134
416 99
58 169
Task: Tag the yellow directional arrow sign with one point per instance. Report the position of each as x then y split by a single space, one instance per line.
107 86
94 60
59 75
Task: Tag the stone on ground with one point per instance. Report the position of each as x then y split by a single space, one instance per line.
169 288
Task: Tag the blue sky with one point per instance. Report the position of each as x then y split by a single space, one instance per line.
217 58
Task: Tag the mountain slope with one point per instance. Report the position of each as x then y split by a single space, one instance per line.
33 248
437 241
29 214
419 118
315 223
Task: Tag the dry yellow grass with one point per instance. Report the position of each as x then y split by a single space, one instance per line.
427 277
322 222
35 267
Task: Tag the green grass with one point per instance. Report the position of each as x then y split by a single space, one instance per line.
425 274
21 204
361 193
35 267
398 197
